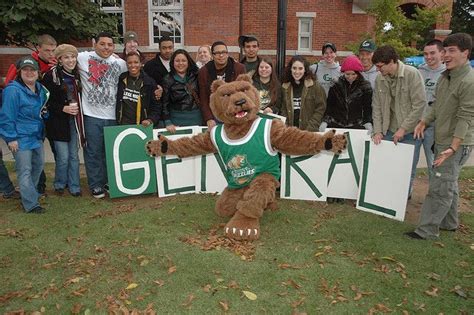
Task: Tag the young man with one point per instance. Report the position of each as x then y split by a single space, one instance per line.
250 45
453 117
328 69
398 101
366 51
222 67
99 71
431 71
130 43
158 67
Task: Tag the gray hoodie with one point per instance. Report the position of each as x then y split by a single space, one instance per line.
430 77
370 75
326 74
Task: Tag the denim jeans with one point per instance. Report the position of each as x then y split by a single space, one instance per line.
42 180
94 152
408 139
6 185
29 165
427 141
67 162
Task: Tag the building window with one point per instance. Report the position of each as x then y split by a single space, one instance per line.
167 20
114 8
305 33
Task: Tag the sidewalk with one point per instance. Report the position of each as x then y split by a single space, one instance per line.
7 156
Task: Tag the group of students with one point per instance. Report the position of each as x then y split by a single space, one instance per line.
81 93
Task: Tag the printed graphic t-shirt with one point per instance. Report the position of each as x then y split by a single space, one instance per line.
99 79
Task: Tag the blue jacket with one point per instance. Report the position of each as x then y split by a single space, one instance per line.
21 115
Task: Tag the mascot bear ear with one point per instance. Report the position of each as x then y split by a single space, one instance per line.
215 85
244 77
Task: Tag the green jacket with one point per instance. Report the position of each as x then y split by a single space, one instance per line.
313 105
410 99
453 109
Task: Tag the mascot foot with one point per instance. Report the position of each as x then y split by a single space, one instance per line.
241 227
157 147
334 143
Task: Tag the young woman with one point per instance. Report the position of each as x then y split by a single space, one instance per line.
21 125
303 99
65 125
268 86
349 103
328 69
136 103
203 55
180 98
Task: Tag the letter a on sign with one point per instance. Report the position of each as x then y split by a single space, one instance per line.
129 169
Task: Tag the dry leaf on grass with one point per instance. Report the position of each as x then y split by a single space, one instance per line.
459 291
250 295
189 300
171 269
433 291
224 305
131 286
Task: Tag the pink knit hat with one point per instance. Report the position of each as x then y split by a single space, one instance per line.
352 63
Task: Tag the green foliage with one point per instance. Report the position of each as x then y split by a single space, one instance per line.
21 21
462 19
403 31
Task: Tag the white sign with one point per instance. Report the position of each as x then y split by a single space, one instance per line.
385 179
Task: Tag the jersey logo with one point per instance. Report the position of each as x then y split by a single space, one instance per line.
240 169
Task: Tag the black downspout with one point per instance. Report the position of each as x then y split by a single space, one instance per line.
281 36
241 24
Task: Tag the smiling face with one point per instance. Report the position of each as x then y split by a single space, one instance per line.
29 75
387 68
235 102
251 50
134 65
366 59
131 45
433 56
264 71
350 76
181 64
297 70
204 54
104 47
166 49
329 55
68 61
220 54
454 57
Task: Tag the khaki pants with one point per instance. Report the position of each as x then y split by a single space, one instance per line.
440 209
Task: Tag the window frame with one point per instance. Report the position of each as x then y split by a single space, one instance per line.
301 34
176 8
114 10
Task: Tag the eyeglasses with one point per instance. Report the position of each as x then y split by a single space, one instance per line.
221 53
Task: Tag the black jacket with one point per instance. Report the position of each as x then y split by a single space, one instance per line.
178 95
156 70
57 125
349 105
151 109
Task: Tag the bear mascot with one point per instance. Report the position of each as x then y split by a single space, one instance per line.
248 145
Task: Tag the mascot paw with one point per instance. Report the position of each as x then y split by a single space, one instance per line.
157 147
241 227
334 143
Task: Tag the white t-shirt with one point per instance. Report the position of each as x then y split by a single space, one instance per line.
99 79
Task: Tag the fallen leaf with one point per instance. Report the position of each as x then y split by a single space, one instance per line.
144 262
224 305
459 291
439 244
432 292
471 247
131 286
207 288
171 269
188 301
297 303
433 276
159 282
250 295
76 309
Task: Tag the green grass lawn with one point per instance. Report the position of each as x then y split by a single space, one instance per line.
167 255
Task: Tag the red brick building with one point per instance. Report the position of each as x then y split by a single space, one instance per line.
191 23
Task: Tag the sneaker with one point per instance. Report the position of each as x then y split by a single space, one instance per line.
414 235
76 194
37 210
98 193
106 187
13 195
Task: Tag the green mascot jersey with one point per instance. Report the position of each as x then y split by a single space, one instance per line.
248 157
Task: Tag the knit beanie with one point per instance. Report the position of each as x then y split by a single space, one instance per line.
64 49
352 63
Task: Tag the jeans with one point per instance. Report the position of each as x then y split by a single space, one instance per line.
94 152
29 165
428 142
42 180
67 162
408 139
6 185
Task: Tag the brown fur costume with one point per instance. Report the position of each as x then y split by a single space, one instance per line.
236 104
